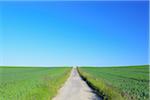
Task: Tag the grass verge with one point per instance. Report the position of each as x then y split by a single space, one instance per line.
100 88
21 83
117 83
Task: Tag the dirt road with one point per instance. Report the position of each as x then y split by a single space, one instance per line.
76 89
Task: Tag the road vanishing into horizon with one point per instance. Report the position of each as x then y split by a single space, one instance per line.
76 89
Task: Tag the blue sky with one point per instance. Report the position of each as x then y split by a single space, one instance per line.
74 33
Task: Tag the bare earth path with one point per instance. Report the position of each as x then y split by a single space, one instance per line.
76 89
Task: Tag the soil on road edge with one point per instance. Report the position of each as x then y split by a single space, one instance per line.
76 89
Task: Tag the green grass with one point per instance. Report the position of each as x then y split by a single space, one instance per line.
116 83
20 83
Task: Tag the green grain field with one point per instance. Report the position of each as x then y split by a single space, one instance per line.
119 83
29 83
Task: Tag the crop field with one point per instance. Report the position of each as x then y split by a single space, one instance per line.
29 83
119 83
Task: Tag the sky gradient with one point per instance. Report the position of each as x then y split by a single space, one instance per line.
74 33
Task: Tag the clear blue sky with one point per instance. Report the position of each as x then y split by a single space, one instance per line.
74 33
